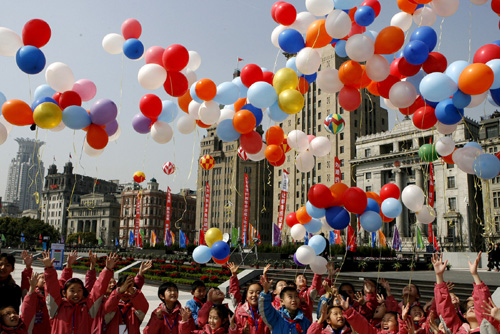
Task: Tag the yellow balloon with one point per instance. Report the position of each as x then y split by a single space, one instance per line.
291 101
47 115
212 236
285 78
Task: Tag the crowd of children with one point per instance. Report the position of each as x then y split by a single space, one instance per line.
102 305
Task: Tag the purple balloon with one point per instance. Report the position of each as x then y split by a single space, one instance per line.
111 128
141 123
297 261
103 111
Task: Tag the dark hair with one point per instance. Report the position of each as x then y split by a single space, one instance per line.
416 287
416 306
287 289
245 292
75 281
10 258
395 314
291 284
301 275
222 312
165 286
343 293
331 307
347 284
276 284
122 280
197 284
7 306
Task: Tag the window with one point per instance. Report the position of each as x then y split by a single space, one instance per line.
342 176
341 149
341 162
319 165
368 175
319 178
368 188
356 123
497 224
341 136
319 115
451 182
341 111
492 131
319 103
298 120
452 203
383 121
319 128
496 199
367 153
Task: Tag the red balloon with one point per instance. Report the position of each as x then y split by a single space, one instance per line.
495 6
223 261
486 53
131 28
176 84
419 102
435 62
285 13
250 74
69 98
273 9
320 196
251 142
356 29
385 86
395 68
389 190
57 96
349 98
268 76
279 162
424 118
151 106
355 200
291 219
97 137
406 69
36 32
175 57
154 55
374 4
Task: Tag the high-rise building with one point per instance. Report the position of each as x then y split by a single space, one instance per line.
26 176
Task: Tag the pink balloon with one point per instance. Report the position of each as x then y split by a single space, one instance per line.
154 55
310 137
349 98
131 28
85 88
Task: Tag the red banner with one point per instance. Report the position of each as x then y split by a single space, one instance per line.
284 193
337 177
246 209
431 198
137 219
206 208
352 243
168 214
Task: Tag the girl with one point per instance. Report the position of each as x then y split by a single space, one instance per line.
218 322
334 320
388 324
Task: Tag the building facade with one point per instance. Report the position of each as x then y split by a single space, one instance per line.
392 157
25 176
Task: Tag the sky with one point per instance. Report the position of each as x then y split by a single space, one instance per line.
221 31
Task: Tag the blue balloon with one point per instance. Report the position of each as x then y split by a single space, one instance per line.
313 211
30 59
133 48
425 34
371 221
372 34
42 100
461 100
310 78
437 87
416 79
337 217
241 86
314 226
291 41
474 144
318 243
491 101
262 95
494 64
202 254
275 113
255 111
292 63
346 4
391 207
447 113
455 69
76 117
372 205
44 91
227 93
169 111
495 95
486 166
192 92
340 48
220 250
431 103
416 52
3 99
226 131
364 16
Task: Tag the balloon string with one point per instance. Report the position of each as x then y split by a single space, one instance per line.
470 30
192 155
276 61
440 34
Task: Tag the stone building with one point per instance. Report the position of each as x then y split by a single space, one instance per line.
392 157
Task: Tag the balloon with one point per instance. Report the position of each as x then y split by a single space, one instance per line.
320 196
30 59
69 98
337 217
291 219
244 121
364 16
338 24
389 40
437 87
227 93
416 52
402 20
175 58
305 254
103 111
406 69
298 232
445 146
297 261
85 88
226 131
313 211
176 84
17 112
285 14
476 79
206 89
97 138
213 235
169 111
43 91
168 168
274 153
320 146
303 21
291 101
486 53
276 33
59 76
152 76
304 162
389 190
202 254
262 95
76 117
111 128
3 133
464 158
220 250
424 16
318 243
370 221
141 123
328 80
308 61
275 135
402 94
427 153
435 62
113 43
319 7
250 74
461 100
349 98
445 8
47 115
252 143
455 69
154 55
355 200
161 132
10 42
302 215
338 190
486 166
317 36
377 68
413 197
477 99
91 152
275 113
391 207
426 215
350 72
427 35
424 118
447 113
319 265
131 28
133 48
314 226
384 86
359 47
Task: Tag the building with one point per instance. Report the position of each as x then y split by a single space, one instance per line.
25 176
97 213
63 189
153 212
367 119
392 156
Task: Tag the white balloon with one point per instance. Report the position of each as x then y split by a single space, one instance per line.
10 42
325 226
413 197
258 156
194 61
308 61
305 254
445 146
304 161
209 112
113 43
190 76
320 146
464 158
318 266
61 126
90 151
389 104
298 231
302 22
194 109
402 20
60 77
359 47
328 80
319 7
161 132
446 129
444 8
426 215
7 125
377 68
338 24
477 99
276 33
3 134
402 94
115 135
424 16
226 114
152 76
186 124
298 140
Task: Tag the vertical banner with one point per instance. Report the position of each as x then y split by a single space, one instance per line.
168 213
284 193
205 209
246 209
276 235
431 199
337 177
137 218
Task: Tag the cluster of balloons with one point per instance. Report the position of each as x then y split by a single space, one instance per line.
309 255
168 168
29 58
154 118
128 42
308 146
216 249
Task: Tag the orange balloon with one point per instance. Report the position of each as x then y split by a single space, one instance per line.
350 72
302 216
338 190
97 138
240 103
374 196
476 79
184 100
365 80
449 158
386 219
389 40
275 135
17 112
316 35
202 125
303 85
205 89
373 88
407 6
422 2
273 153
223 261
244 121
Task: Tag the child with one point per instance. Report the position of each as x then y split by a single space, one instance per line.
199 291
76 309
125 308
165 319
9 290
289 319
333 318
214 297
218 319
416 316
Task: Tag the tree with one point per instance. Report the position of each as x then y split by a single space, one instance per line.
86 238
14 228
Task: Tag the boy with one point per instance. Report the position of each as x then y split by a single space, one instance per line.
198 290
9 290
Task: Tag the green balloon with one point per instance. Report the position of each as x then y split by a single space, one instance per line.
428 153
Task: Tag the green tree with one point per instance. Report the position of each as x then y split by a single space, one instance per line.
14 228
86 238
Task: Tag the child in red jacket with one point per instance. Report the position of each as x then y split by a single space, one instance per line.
218 322
331 321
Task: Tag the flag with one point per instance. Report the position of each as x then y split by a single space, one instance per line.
246 207
420 241
306 239
240 59
39 238
153 238
117 243
79 240
396 240
99 242
374 239
22 237
382 241
131 238
351 239
338 238
244 239
331 238
187 240
141 238
435 243
234 236
70 155
173 237
3 238
202 238
276 235
168 239
62 239
182 239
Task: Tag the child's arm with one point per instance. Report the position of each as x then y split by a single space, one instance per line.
480 292
52 289
330 278
492 312
358 323
155 324
67 272
30 302
101 285
186 325
312 292
213 297
269 314
91 275
234 284
26 274
139 278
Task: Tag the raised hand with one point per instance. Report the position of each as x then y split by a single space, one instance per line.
473 268
380 299
232 323
386 286
129 282
111 261
266 269
327 287
47 261
405 310
233 268
491 309
33 281
185 313
450 285
246 329
439 267
159 313
344 303
92 259
324 313
266 284
145 266
330 266
71 259
27 258
410 326
358 297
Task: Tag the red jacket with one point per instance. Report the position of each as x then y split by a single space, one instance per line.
244 315
42 323
203 313
116 312
317 328
360 324
169 323
187 327
73 318
27 318
307 296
